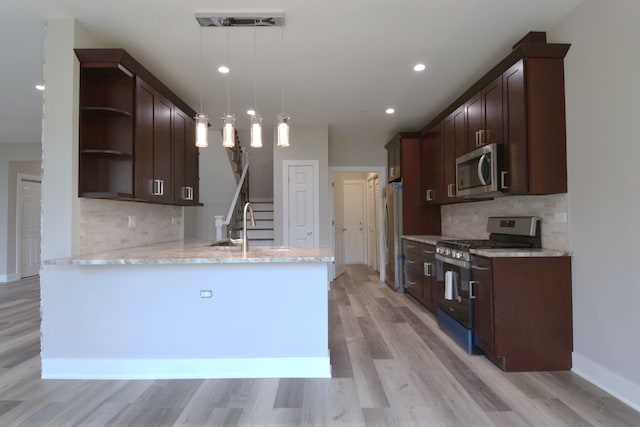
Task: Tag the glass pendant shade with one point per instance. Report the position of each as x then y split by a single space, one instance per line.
202 125
283 130
256 131
228 131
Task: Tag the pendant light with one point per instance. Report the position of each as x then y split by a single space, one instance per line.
256 119
283 118
228 130
202 121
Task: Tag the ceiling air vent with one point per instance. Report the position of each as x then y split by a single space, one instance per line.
271 19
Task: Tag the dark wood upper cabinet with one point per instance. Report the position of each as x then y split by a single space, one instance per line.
417 218
137 138
535 130
432 166
153 175
484 116
394 159
519 104
185 171
453 145
106 132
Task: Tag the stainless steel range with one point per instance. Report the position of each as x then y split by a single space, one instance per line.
454 271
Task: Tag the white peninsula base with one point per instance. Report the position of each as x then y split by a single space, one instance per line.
262 320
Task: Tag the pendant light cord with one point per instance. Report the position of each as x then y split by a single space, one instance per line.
282 65
201 71
228 65
255 69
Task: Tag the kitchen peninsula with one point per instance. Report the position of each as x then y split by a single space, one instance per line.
187 310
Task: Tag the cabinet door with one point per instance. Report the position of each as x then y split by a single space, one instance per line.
493 113
484 116
185 168
453 145
474 121
162 153
432 166
515 148
429 284
482 295
153 154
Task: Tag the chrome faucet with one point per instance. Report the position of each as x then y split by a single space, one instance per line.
245 240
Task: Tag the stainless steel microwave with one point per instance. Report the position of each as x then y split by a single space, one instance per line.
477 172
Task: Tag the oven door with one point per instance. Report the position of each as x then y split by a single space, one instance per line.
453 278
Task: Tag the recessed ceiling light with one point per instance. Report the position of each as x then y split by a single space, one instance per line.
390 110
419 67
223 69
40 87
251 112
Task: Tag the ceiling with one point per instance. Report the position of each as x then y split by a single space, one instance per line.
344 62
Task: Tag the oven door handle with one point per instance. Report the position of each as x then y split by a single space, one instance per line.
456 262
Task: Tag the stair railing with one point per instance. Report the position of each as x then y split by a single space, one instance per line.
240 197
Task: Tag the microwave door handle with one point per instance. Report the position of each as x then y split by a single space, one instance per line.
480 162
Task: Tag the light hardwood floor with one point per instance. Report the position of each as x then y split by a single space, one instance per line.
392 366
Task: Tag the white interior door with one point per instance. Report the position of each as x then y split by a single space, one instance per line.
354 222
29 228
338 219
302 210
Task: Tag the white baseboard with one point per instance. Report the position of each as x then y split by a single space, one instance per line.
146 369
6 278
612 383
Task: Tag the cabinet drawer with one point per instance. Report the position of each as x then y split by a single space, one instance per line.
413 283
409 246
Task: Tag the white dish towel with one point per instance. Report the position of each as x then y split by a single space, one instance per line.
449 285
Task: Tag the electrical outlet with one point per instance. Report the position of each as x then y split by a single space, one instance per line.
132 221
206 293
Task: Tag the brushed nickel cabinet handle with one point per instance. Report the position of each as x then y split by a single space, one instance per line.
503 174
450 191
471 283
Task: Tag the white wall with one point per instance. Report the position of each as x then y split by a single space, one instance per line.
308 142
357 150
217 186
60 220
10 153
261 165
602 92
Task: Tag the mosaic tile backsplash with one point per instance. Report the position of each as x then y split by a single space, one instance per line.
469 220
104 224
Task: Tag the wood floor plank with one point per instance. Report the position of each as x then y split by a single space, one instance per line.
290 393
377 346
370 391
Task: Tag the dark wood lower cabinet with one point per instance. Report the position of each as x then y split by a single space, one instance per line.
419 273
523 312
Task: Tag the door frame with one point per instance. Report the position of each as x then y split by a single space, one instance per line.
20 177
285 198
382 174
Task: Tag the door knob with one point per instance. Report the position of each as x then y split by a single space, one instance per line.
308 233
344 229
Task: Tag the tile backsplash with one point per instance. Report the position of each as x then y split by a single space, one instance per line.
469 220
111 224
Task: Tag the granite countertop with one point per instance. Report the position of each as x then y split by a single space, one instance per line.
429 240
491 253
198 252
513 253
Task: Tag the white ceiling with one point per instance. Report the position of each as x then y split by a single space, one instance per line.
345 61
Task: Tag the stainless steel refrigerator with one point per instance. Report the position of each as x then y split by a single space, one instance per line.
392 233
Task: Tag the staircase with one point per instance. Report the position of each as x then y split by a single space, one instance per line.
262 234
